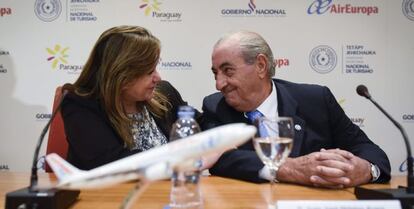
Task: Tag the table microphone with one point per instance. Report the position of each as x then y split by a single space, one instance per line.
404 194
32 197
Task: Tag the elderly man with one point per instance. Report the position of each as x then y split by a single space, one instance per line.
328 151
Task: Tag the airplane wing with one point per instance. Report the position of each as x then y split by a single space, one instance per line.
154 164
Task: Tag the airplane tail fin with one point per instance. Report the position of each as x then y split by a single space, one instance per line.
61 167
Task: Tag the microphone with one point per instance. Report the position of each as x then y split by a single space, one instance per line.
32 197
404 194
363 91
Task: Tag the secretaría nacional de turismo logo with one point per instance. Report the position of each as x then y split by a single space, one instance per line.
48 10
57 55
321 7
408 9
323 59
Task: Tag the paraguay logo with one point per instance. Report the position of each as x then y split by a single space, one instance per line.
149 7
152 8
408 9
48 10
57 54
323 59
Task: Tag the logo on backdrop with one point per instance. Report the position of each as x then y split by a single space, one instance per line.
174 65
2 68
149 7
2 52
281 62
4 167
57 55
323 59
321 7
356 59
409 118
43 116
356 120
81 11
48 10
252 10
152 8
58 58
4 11
408 9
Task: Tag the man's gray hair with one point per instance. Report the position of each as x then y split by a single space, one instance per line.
251 45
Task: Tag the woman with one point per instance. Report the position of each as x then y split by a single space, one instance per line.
119 106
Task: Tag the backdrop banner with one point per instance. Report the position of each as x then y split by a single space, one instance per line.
336 43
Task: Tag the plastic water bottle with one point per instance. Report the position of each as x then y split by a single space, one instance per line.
185 188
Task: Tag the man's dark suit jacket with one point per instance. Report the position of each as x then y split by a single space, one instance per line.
323 124
91 138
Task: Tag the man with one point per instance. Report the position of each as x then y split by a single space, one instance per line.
328 151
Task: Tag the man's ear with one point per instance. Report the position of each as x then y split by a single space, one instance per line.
261 64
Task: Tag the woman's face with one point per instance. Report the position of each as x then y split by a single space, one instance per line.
142 88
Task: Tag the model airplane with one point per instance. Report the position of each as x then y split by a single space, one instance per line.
155 164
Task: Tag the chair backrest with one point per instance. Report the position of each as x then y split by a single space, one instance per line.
57 138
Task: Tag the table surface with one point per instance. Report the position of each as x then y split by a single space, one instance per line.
217 192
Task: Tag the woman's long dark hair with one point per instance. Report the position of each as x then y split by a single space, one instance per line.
120 55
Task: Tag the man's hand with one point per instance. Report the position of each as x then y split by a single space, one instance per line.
333 168
358 173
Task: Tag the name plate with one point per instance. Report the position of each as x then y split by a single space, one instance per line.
338 204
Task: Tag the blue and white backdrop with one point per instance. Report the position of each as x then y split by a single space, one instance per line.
337 43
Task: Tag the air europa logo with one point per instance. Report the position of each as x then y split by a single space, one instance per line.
281 62
320 7
5 11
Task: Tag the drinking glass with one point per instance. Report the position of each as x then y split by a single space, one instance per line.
273 143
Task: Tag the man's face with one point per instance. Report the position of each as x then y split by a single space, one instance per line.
237 80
